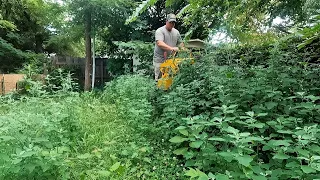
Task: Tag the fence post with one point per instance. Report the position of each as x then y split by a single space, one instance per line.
2 85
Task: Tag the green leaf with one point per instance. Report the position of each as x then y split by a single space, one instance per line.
245 134
115 166
192 173
188 155
196 144
315 148
180 151
315 157
177 139
303 152
7 138
31 167
27 154
285 132
259 178
262 114
147 160
292 164
256 169
216 139
4 157
271 105
143 149
16 169
280 142
232 130
313 98
184 132
203 177
210 175
222 177
281 156
84 156
257 125
233 106
140 9
16 161
41 139
228 156
180 127
252 139
308 169
250 113
244 160
104 173
190 163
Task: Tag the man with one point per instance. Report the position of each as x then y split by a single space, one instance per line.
167 41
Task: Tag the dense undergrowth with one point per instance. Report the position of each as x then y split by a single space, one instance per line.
84 136
249 112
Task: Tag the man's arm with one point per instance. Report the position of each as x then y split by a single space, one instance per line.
165 47
159 40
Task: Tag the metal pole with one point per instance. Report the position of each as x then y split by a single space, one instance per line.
93 63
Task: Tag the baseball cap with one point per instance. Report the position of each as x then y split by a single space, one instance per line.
171 18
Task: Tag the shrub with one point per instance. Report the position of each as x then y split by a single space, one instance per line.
253 119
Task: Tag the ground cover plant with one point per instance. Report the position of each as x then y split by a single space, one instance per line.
238 112
67 135
247 113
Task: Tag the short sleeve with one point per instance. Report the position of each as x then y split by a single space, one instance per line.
159 36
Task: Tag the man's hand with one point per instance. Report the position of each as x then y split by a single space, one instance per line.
175 49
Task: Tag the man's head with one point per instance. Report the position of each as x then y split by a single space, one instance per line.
171 21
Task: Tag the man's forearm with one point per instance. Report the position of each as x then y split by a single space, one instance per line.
164 46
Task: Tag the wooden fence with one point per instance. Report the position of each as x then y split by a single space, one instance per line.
8 82
78 64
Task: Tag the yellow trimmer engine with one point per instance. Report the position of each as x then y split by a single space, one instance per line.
169 69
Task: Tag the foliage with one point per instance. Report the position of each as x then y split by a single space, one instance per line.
57 82
310 33
93 136
36 140
142 53
27 30
240 114
237 18
132 92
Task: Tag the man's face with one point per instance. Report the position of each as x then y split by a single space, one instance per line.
170 25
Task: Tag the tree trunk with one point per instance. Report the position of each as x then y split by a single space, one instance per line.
88 68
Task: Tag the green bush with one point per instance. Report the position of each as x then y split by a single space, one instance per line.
246 115
37 138
131 93
57 82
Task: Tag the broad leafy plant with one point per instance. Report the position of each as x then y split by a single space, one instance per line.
238 119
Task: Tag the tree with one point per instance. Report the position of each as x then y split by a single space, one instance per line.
92 15
26 27
235 17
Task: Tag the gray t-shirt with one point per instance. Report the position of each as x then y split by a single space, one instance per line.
171 38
